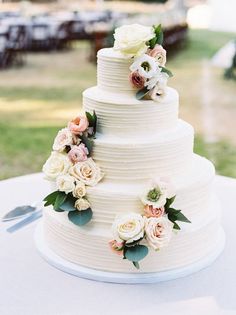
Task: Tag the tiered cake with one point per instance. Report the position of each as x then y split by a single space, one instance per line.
138 140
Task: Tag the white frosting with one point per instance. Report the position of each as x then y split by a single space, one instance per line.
124 115
113 71
164 154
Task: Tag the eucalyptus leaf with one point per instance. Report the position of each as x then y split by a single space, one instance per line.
136 253
80 218
68 204
141 93
61 197
167 71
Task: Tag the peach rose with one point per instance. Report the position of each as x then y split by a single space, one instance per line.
159 53
158 232
150 211
116 247
78 153
78 125
137 80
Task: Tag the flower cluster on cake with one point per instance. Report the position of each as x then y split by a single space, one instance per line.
71 168
144 44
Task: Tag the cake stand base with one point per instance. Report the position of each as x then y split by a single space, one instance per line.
117 277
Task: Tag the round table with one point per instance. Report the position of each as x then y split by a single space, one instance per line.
30 286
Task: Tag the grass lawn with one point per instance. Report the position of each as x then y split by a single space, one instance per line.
39 98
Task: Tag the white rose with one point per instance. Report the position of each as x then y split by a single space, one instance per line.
82 204
63 138
131 40
65 183
146 66
87 172
157 193
57 164
79 190
129 227
158 232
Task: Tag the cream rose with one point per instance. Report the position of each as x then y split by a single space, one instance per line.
87 172
65 183
64 138
57 164
128 228
79 190
159 53
158 232
131 40
157 193
82 204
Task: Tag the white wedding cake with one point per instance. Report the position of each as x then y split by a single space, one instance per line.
123 189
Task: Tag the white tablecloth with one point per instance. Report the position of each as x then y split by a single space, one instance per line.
29 286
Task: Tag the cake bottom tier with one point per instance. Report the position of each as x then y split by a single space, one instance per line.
88 246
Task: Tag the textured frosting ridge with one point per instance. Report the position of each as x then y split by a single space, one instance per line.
113 71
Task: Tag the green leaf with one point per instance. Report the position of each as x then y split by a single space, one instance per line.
141 93
182 218
92 119
176 226
167 71
136 253
88 143
61 197
152 42
169 202
68 204
159 34
80 217
95 122
136 264
51 198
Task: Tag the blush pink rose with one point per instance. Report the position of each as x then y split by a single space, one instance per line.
137 80
78 125
116 247
150 211
78 153
159 53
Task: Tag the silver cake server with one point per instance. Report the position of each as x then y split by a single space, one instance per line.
20 212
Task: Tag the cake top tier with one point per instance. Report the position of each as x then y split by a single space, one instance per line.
136 63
